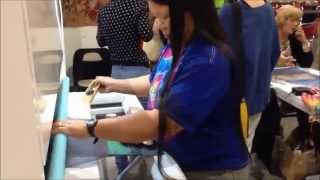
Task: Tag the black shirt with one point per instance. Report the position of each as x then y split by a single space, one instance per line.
122 25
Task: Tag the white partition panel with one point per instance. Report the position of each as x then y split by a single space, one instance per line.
32 59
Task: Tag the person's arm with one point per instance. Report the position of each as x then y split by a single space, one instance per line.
100 39
301 49
144 25
285 60
138 85
133 128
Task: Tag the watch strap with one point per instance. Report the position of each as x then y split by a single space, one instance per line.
91 124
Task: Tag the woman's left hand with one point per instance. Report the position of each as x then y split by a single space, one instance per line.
300 35
74 128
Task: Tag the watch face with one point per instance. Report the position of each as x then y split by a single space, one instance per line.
90 127
91 122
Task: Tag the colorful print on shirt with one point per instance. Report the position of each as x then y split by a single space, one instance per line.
157 77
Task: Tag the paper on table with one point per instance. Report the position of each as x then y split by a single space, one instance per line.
77 108
294 74
80 109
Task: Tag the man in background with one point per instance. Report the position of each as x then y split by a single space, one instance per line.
260 49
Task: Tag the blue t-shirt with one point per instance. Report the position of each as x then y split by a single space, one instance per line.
261 50
198 100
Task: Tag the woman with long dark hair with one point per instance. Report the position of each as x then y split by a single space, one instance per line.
192 111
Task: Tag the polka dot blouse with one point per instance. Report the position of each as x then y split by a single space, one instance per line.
122 26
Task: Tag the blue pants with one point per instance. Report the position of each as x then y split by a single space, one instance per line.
124 72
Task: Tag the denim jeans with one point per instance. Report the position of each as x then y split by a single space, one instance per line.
124 72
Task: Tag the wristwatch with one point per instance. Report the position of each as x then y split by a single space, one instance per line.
91 124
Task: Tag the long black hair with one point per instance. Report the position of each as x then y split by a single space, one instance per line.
207 26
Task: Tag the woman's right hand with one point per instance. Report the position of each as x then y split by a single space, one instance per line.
106 83
156 26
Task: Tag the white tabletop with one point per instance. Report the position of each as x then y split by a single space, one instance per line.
78 108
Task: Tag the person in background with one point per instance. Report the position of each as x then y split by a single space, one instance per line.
192 112
295 50
261 51
122 26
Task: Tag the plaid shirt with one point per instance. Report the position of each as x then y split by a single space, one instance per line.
122 25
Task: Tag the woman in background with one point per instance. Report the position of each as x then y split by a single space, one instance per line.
295 48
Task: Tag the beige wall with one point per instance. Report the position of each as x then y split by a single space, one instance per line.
81 37
85 37
20 147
